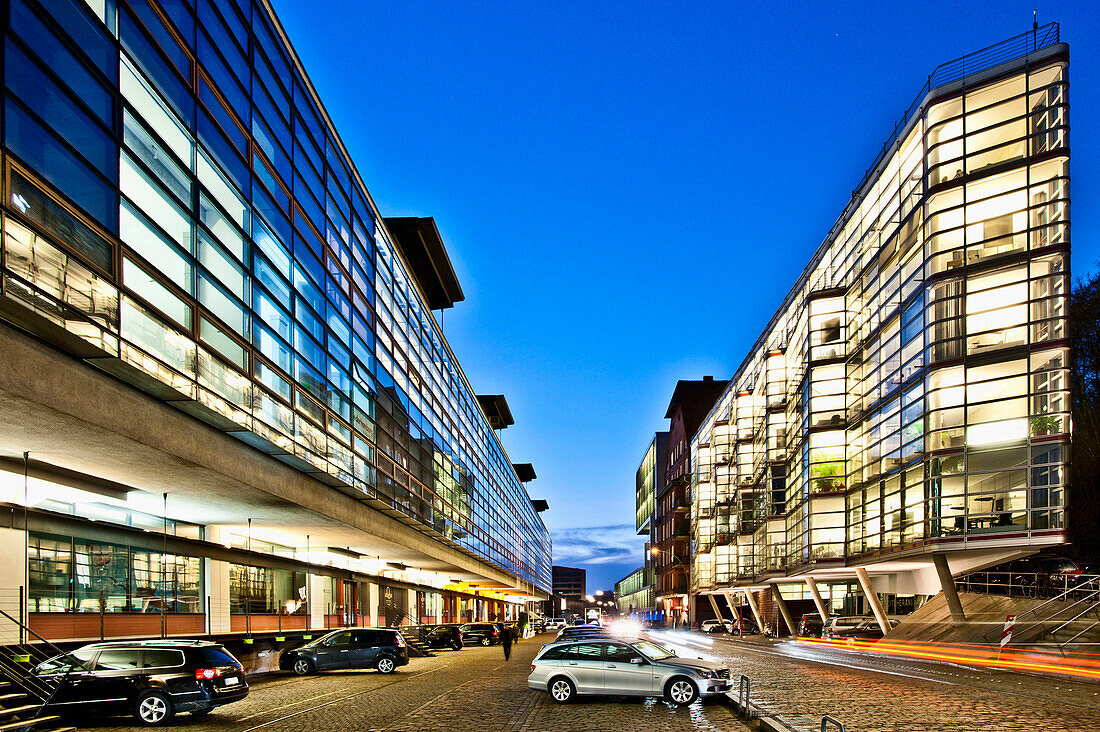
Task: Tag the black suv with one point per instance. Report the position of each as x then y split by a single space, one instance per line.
486 634
380 648
442 636
151 679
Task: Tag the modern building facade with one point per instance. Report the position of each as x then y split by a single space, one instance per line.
634 594
904 416
224 396
671 549
649 477
570 583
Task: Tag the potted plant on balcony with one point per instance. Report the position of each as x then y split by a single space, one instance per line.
1044 424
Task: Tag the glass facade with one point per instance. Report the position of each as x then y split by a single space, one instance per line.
910 394
76 575
178 207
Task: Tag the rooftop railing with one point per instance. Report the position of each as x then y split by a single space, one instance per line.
971 63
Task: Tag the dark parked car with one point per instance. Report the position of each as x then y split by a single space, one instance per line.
485 634
811 625
379 648
443 636
574 632
151 680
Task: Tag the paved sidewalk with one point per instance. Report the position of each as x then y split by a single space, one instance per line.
472 689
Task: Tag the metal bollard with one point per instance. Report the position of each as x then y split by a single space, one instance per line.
743 695
827 720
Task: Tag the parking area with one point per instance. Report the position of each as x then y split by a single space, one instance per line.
452 690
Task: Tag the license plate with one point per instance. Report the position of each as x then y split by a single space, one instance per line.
232 681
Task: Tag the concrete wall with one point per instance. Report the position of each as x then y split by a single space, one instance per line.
13 566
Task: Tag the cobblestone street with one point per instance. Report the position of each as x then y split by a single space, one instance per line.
474 687
876 694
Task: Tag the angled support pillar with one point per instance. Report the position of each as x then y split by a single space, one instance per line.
717 612
755 610
734 612
792 629
812 584
950 594
872 599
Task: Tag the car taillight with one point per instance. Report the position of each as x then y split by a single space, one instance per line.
494 632
400 642
207 673
532 668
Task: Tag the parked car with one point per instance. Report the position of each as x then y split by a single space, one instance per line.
555 623
811 625
485 634
744 626
867 630
581 631
841 622
443 636
633 668
716 626
152 680
378 648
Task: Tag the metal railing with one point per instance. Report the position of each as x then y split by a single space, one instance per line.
18 660
1027 584
1081 591
828 720
743 688
986 58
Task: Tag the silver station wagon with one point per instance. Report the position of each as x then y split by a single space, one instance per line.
627 667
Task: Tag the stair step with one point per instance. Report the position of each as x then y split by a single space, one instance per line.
9 697
19 710
21 723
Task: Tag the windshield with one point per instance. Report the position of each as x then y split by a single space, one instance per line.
652 651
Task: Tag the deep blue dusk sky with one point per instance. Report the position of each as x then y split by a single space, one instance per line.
628 190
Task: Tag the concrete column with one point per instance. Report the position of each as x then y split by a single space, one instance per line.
372 605
950 594
13 575
217 596
734 613
812 584
316 602
717 612
792 627
872 598
755 610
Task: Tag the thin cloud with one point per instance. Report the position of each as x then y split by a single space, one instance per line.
613 544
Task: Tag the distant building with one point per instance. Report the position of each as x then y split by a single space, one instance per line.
671 538
634 594
569 582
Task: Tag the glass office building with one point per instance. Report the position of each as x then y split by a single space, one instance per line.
910 396
179 212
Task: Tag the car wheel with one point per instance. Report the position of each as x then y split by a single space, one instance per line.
302 666
457 645
485 641
681 692
562 690
386 665
153 708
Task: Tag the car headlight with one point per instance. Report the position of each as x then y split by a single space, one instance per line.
707 674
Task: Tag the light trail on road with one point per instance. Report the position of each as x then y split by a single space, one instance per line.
969 655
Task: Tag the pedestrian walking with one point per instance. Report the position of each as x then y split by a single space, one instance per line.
506 641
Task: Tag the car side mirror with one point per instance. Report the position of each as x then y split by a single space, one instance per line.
637 661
